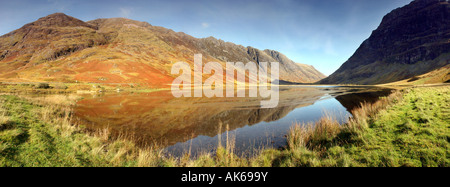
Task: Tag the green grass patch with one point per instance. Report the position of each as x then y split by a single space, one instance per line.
30 139
407 129
412 132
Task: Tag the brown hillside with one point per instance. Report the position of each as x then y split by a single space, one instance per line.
60 48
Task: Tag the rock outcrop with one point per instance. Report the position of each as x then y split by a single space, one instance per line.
410 41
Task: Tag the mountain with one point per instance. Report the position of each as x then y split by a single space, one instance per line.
60 48
410 41
437 76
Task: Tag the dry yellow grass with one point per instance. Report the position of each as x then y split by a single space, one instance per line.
323 133
54 100
3 118
120 151
305 135
51 116
367 110
435 77
324 143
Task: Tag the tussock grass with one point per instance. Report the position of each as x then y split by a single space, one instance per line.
327 131
4 119
63 101
407 128
42 134
313 135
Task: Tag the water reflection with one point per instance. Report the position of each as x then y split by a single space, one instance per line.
180 124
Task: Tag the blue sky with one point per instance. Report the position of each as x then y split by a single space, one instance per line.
323 33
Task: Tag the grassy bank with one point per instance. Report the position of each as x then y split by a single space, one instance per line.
64 88
408 128
38 132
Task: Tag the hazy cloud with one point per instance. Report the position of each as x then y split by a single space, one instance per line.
59 5
125 12
329 48
205 25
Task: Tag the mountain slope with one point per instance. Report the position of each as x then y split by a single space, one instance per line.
437 76
60 48
410 41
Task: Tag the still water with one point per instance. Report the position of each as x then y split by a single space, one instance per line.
183 124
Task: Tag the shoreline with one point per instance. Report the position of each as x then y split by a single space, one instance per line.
324 143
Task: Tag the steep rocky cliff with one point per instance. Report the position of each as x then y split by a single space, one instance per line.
410 41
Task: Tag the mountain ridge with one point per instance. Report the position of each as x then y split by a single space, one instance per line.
62 48
410 41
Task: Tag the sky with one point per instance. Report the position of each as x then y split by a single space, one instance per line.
322 33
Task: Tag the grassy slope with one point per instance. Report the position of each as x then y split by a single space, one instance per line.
441 75
414 131
409 128
38 133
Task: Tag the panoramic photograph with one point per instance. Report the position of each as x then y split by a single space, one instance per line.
225 84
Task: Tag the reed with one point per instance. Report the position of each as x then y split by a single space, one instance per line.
390 132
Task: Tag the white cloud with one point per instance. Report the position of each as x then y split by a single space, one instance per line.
205 25
125 12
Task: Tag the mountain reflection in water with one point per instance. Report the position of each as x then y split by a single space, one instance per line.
180 124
